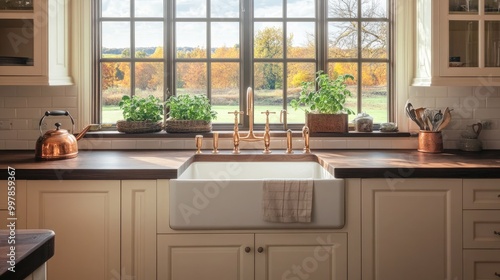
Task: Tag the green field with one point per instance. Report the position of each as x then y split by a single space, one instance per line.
374 105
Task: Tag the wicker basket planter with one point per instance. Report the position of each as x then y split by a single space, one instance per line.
184 126
138 126
327 122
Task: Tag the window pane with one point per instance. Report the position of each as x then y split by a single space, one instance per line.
225 90
342 8
343 40
268 91
115 83
268 42
149 39
148 8
225 8
191 78
268 8
116 35
301 40
301 8
296 74
374 91
191 39
336 69
191 8
149 79
113 8
374 8
374 39
225 40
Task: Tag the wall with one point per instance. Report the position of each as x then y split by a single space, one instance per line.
22 107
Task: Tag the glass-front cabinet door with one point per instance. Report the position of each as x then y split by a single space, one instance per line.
21 32
469 38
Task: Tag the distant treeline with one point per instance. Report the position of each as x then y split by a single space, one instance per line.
148 50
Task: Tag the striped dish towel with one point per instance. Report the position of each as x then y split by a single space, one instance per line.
287 200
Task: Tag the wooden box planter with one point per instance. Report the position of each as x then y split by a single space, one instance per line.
327 122
180 126
138 126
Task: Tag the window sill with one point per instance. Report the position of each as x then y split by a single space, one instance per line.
228 134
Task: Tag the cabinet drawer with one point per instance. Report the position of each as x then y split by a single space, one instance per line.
481 229
481 264
481 194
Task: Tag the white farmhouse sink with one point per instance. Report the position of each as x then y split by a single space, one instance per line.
228 195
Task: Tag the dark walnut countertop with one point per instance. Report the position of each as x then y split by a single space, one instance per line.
165 164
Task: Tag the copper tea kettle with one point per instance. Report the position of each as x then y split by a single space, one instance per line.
58 143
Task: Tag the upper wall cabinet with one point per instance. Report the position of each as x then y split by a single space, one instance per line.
34 48
466 42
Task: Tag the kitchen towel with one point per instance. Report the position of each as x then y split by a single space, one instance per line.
287 200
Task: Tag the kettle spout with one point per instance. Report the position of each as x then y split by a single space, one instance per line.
83 132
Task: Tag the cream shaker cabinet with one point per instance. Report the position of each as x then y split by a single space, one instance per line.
481 219
467 41
34 36
321 256
411 229
104 229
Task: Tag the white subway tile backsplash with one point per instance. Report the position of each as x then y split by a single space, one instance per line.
148 144
436 91
8 134
64 102
123 144
57 91
423 102
381 144
2 102
29 91
21 124
28 113
491 145
358 144
18 145
334 144
493 102
485 92
487 114
8 91
7 113
28 134
16 102
443 102
71 90
173 144
411 143
472 102
39 102
462 113
459 91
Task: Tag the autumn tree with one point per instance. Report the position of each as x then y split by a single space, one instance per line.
269 44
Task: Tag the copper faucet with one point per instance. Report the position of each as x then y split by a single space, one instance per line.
250 137
305 134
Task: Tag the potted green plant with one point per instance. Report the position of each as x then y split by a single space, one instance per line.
141 114
325 106
189 113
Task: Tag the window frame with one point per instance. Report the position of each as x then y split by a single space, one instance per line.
246 54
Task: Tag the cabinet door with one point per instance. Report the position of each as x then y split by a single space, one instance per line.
205 256
411 229
313 256
481 264
138 240
85 216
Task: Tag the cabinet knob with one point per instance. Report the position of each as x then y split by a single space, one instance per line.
497 274
260 250
496 232
247 249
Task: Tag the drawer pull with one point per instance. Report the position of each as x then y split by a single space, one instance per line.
247 249
497 274
260 250
496 232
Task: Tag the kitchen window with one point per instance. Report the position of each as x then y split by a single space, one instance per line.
220 47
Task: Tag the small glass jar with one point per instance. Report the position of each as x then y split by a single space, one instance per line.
363 123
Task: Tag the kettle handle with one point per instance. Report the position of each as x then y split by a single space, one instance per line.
56 113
